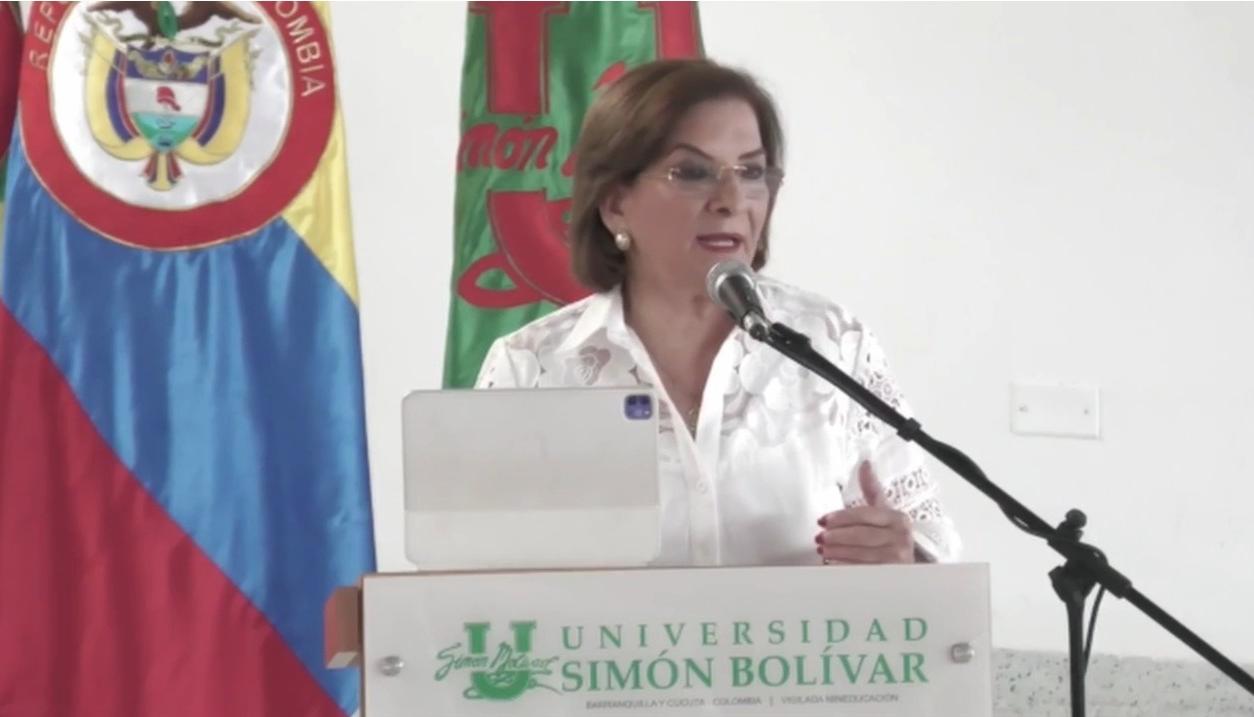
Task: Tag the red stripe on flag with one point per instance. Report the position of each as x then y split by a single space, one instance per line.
10 62
107 608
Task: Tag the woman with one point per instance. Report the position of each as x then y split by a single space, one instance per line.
678 166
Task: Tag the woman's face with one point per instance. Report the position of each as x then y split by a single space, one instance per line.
703 202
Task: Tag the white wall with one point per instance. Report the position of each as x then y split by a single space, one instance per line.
1005 192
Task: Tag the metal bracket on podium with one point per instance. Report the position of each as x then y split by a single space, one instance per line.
341 619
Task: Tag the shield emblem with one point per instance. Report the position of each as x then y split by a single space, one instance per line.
165 105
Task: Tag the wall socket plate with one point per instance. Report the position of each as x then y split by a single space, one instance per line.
1051 409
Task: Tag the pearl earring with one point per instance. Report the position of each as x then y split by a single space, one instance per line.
622 240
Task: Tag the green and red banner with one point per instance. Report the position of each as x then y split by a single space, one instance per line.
531 70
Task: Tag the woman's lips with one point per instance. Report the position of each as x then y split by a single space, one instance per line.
721 243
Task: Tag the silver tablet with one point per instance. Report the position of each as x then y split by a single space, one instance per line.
531 478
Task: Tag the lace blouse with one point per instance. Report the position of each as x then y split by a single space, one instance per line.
775 446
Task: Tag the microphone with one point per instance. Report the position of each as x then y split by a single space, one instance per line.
732 285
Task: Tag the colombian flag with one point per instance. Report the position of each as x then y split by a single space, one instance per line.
183 476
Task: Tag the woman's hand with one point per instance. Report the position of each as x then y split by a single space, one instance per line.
867 534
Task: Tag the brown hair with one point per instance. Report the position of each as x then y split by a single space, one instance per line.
627 129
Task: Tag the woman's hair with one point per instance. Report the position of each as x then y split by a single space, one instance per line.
628 128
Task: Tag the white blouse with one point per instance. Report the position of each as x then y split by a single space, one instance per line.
775 446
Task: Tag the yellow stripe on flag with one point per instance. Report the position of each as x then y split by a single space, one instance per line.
320 213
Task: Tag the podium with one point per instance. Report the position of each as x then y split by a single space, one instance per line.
780 641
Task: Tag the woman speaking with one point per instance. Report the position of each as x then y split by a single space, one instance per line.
761 462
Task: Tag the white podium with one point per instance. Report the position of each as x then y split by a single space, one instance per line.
771 641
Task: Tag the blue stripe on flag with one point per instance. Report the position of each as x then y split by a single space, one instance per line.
229 380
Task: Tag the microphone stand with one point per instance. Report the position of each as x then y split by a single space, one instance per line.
1085 566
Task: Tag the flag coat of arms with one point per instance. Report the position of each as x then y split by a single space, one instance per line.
183 476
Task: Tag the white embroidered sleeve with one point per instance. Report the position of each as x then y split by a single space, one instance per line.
899 465
506 367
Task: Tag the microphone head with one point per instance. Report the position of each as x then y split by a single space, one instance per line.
723 270
733 286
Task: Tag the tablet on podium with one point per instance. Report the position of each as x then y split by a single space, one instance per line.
531 478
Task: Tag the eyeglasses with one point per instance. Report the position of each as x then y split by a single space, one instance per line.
703 179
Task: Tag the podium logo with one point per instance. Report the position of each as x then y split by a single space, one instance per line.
504 672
